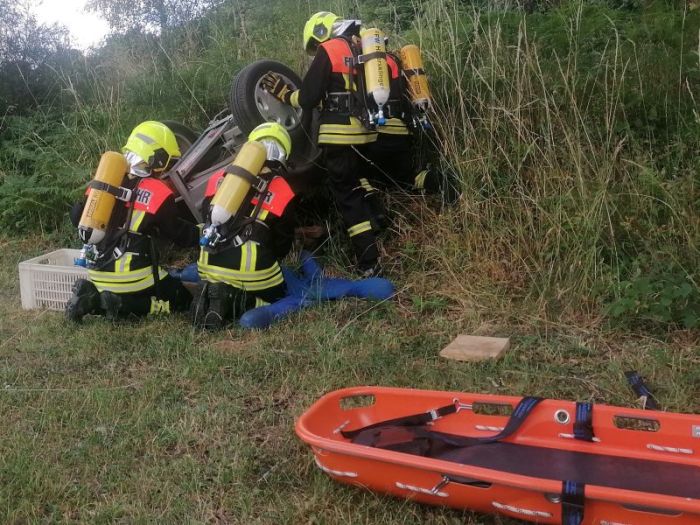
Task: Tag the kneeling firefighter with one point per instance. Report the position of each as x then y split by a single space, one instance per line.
127 207
249 228
349 116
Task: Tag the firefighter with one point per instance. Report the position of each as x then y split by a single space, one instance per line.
125 277
342 137
394 156
249 229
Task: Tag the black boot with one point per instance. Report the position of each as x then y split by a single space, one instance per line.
220 305
111 303
200 304
85 300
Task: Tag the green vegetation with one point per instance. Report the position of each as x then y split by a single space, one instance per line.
574 130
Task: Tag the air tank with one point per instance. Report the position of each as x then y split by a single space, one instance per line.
412 66
376 71
234 188
100 204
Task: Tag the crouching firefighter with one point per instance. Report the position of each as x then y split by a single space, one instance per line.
347 122
249 228
127 207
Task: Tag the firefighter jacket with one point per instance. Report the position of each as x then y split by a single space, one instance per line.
254 265
127 265
332 74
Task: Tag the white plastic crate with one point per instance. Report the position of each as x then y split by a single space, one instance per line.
46 281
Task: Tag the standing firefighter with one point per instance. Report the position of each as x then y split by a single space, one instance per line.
332 82
127 207
249 229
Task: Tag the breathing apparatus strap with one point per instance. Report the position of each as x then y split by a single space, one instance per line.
118 241
122 194
258 183
412 72
361 59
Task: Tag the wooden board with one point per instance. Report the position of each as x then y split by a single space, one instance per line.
475 348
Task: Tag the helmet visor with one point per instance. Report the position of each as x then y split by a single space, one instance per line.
275 151
137 166
346 27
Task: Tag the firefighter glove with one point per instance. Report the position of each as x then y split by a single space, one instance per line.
275 85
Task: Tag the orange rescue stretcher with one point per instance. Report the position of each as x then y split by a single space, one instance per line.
538 460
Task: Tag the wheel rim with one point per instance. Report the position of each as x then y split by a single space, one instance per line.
272 110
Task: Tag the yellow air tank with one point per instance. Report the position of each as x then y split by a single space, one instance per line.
412 65
377 79
234 188
100 204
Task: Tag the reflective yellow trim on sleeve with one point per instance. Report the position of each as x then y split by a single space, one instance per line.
357 229
294 99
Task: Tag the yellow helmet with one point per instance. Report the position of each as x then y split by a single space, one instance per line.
274 131
318 29
151 147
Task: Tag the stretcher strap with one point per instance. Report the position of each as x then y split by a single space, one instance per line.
520 414
583 426
415 420
572 502
640 388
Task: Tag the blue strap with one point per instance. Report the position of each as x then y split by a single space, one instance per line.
583 426
572 502
640 388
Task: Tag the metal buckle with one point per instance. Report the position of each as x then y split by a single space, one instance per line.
462 406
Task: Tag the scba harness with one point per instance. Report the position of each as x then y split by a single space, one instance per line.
347 60
270 194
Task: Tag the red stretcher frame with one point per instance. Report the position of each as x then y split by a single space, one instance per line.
620 432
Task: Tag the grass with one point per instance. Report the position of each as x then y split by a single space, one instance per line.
154 422
573 133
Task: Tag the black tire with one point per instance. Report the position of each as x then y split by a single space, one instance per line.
184 135
244 106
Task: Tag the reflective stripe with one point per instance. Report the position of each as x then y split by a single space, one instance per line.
136 219
345 139
359 228
263 215
217 274
354 126
108 285
159 307
260 302
145 138
120 277
237 275
367 186
419 181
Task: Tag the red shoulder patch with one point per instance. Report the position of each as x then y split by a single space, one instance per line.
279 195
214 182
338 51
151 194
